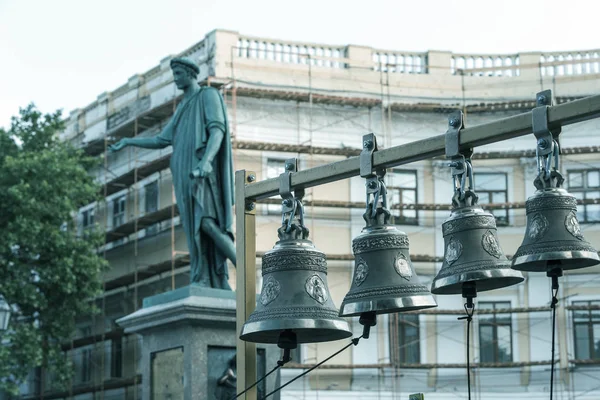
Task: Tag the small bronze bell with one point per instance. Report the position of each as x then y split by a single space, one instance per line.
472 254
295 297
384 277
473 259
553 238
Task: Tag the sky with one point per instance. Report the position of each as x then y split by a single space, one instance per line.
61 54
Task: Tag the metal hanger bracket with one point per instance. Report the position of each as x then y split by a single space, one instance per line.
544 133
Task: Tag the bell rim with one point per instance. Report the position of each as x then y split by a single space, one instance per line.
267 331
492 280
387 306
579 259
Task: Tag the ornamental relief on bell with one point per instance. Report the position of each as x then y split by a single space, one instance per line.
490 244
361 271
386 242
315 287
402 266
572 225
270 291
453 250
538 227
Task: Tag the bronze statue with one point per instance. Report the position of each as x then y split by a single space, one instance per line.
202 169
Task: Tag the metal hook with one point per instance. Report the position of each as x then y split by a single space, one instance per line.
461 167
373 189
375 185
290 203
547 147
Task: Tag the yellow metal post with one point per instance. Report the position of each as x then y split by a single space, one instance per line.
245 280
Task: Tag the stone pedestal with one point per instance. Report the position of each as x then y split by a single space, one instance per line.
188 344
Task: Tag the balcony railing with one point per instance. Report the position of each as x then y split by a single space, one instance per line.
485 65
570 63
400 62
291 52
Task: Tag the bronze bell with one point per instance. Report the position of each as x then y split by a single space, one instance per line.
553 238
384 277
473 259
472 254
295 297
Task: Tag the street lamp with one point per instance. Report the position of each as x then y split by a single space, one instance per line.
4 314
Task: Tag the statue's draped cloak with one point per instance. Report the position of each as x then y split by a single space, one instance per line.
211 197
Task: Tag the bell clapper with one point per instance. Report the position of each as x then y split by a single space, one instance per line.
367 320
469 292
287 341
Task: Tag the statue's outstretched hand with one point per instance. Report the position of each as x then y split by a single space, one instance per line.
202 170
118 146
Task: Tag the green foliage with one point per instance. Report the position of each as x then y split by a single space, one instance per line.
47 272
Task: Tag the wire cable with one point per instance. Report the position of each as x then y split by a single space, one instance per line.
553 306
353 342
280 363
469 317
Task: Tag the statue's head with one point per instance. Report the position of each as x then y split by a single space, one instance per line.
185 71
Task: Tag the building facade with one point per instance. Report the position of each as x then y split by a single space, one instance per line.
314 102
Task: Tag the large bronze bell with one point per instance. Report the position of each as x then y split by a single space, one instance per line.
472 254
295 297
384 277
553 238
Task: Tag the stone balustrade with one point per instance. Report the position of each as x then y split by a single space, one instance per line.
485 65
400 62
570 63
291 52
355 71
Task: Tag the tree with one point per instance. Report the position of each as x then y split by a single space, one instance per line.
48 273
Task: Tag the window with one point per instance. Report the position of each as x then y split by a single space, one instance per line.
585 184
402 189
404 339
151 197
88 218
495 333
34 383
587 331
275 167
118 211
151 204
492 188
116 365
85 354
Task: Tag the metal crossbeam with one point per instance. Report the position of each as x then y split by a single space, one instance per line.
479 135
